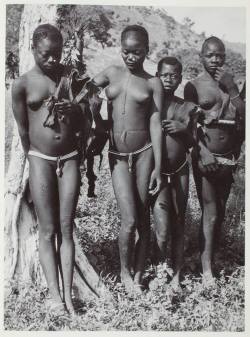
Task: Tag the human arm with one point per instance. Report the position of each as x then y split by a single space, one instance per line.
20 112
226 80
156 134
205 156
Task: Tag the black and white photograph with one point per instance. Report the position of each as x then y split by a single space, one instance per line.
124 167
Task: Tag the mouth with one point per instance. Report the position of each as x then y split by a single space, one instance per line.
213 67
167 86
129 64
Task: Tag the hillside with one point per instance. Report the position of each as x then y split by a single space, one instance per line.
166 35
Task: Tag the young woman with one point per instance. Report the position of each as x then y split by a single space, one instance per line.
46 127
135 103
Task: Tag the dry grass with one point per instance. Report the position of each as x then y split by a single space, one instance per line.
218 308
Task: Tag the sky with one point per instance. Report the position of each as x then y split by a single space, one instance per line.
228 23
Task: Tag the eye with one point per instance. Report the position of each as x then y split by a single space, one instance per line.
125 51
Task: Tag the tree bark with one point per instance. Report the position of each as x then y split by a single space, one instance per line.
21 228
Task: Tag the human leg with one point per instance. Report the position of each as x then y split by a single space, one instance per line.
208 223
162 208
124 188
223 191
43 188
179 189
68 185
143 169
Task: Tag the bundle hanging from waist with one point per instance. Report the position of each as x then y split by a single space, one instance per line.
130 154
58 159
223 160
171 174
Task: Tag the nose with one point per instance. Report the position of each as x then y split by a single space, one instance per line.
131 57
215 58
51 59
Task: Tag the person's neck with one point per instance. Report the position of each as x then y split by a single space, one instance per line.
208 75
53 74
137 71
169 95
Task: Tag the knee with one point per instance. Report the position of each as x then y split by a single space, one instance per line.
210 221
47 233
129 224
161 234
66 225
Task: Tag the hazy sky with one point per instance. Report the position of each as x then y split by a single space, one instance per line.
228 23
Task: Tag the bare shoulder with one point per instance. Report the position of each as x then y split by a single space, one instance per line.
155 83
19 84
189 106
113 70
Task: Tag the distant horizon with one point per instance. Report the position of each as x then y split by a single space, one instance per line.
229 23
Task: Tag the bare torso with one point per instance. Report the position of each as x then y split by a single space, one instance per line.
218 138
55 141
174 147
131 99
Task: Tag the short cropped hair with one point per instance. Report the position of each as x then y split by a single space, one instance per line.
46 31
212 39
170 60
137 29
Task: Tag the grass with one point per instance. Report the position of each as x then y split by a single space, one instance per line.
195 308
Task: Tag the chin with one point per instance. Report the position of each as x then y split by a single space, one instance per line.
169 91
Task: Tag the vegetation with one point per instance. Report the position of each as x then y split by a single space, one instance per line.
195 307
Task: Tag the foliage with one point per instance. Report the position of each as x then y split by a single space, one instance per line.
94 19
13 17
12 62
188 22
195 308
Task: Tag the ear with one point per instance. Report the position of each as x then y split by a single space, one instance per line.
32 48
157 74
180 78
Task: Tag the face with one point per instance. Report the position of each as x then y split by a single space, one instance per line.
47 54
134 51
170 77
213 57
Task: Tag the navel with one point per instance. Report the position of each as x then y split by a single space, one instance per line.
57 137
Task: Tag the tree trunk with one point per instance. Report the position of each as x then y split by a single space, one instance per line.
21 229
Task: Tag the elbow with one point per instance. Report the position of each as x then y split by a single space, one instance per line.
23 132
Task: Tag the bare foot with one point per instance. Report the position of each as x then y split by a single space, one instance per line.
70 307
56 308
138 288
208 279
175 283
128 282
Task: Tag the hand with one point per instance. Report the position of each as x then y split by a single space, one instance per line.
208 161
155 182
224 78
170 126
65 107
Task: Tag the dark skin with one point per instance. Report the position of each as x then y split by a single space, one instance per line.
54 197
213 182
135 102
170 204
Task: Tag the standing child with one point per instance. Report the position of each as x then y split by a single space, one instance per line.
220 139
170 204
